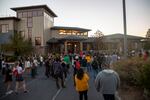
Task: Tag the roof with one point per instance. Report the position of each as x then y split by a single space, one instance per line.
121 36
34 7
70 28
9 18
53 40
73 38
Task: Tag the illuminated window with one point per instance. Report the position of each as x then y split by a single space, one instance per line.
4 28
85 33
37 41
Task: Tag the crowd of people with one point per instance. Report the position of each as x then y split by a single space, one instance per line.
99 66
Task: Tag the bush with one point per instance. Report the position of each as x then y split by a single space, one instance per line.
134 72
129 70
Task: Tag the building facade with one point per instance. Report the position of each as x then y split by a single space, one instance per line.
36 23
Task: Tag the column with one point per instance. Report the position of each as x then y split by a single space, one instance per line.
81 46
66 47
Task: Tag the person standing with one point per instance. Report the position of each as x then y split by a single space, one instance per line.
107 82
8 79
18 72
58 73
81 84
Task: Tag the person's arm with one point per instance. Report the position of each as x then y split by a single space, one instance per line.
97 82
118 80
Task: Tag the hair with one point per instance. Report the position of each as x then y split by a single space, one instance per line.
80 74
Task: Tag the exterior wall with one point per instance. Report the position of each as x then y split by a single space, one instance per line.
22 26
10 24
48 23
38 29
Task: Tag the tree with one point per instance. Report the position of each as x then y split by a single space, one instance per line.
98 40
147 42
148 33
18 44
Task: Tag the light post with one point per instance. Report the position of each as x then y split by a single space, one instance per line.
125 28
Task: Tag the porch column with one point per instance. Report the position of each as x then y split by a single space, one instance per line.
81 46
66 47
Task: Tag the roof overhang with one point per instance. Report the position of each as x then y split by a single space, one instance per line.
35 7
70 28
9 18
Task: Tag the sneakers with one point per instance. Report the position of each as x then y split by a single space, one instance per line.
9 92
25 91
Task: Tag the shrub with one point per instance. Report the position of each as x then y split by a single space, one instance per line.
134 72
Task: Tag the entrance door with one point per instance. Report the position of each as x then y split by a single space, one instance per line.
73 47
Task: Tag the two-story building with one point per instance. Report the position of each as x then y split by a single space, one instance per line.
37 24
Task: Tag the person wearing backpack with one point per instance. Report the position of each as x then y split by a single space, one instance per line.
18 72
58 73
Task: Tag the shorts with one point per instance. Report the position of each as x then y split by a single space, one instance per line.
19 78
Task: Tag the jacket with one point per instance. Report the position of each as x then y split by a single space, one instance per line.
107 81
82 85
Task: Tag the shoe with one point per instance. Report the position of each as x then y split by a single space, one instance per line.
9 92
63 86
16 93
25 91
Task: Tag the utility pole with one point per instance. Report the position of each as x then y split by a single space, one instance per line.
125 28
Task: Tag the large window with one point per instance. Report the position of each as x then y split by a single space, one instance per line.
30 14
37 40
29 33
4 28
20 15
29 22
24 14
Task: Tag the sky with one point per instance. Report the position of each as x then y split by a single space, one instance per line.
103 15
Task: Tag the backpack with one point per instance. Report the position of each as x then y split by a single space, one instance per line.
77 65
15 73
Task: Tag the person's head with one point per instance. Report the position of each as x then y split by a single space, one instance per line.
106 65
80 73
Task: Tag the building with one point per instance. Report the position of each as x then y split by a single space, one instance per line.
37 24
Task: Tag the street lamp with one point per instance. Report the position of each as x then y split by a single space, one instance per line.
125 28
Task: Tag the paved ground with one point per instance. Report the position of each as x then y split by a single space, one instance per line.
42 88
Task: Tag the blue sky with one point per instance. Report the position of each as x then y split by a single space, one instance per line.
103 15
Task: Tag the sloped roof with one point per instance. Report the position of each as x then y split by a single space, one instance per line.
121 36
70 28
53 40
73 37
34 7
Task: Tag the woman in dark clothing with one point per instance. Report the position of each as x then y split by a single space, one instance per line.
8 77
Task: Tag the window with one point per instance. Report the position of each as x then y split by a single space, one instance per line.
30 14
20 15
37 41
4 28
29 33
29 22
35 13
24 14
40 13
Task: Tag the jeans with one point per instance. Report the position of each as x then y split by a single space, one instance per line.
83 94
109 96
